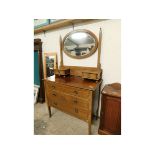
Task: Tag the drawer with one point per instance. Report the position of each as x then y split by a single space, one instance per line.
70 109
52 95
89 75
77 112
54 103
68 100
51 86
76 101
55 96
64 71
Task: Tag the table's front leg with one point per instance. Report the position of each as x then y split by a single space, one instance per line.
89 128
90 113
98 101
49 111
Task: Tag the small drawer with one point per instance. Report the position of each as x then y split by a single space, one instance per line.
93 76
64 71
86 75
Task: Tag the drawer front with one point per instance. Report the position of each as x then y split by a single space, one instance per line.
52 95
77 112
68 100
56 96
51 86
93 76
70 109
76 101
71 100
56 104
89 76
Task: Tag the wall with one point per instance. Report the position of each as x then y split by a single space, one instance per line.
111 47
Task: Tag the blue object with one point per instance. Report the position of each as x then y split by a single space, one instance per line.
43 24
36 69
55 20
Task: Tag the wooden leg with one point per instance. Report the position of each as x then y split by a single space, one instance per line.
90 113
98 103
89 128
49 111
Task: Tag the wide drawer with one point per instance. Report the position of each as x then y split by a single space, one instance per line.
76 101
68 100
63 103
78 112
83 93
70 109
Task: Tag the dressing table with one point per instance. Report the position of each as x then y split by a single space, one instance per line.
75 90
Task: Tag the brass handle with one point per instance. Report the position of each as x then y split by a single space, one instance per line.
76 110
75 101
75 92
54 94
55 103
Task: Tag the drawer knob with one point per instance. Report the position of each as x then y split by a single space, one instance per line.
76 110
53 87
54 94
75 101
55 103
75 92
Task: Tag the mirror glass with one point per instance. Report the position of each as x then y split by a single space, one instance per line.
49 66
80 44
50 62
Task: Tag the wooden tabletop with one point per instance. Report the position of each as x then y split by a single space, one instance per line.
76 82
113 89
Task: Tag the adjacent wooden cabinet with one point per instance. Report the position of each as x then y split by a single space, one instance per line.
110 115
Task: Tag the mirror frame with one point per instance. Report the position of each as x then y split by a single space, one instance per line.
91 52
55 61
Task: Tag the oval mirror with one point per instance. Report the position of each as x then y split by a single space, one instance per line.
80 44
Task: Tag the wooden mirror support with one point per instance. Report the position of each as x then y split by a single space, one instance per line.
62 70
93 73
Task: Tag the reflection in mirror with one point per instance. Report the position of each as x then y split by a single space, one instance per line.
80 44
49 64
